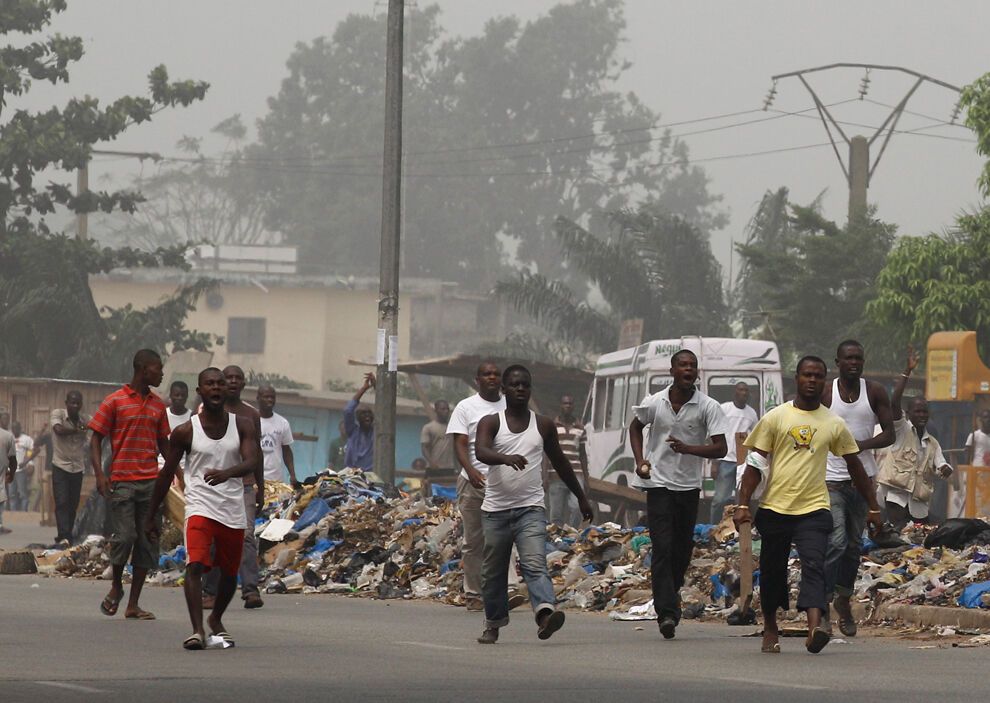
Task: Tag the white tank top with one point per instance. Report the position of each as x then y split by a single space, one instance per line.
862 422
508 488
223 503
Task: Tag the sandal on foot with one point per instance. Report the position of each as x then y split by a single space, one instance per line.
225 636
193 642
140 615
110 605
771 648
819 638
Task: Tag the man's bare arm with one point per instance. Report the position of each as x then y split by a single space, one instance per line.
880 402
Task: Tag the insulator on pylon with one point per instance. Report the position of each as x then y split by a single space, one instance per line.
864 85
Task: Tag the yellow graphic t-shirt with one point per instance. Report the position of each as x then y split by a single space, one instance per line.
799 442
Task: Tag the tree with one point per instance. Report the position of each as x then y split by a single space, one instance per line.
504 131
811 279
942 281
50 323
649 265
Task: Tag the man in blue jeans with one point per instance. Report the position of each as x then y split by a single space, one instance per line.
512 443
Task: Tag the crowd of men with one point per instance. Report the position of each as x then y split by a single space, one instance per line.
813 475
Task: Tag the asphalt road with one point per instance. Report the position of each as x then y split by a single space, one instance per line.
56 646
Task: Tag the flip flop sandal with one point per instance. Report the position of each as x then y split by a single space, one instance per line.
819 638
225 636
140 615
771 648
193 642
110 605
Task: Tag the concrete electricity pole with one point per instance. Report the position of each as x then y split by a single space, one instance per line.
388 288
858 171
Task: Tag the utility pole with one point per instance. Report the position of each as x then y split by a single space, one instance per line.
82 183
388 287
858 172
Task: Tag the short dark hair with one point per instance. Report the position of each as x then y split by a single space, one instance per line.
483 364
232 366
179 384
848 343
145 357
73 394
512 368
673 358
917 399
810 358
199 379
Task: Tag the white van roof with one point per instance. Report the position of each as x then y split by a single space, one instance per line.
720 353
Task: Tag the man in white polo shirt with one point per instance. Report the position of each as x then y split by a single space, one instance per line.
682 420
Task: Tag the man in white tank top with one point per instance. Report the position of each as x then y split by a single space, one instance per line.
512 444
220 448
863 405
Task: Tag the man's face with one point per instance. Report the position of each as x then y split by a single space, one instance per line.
442 409
810 380
152 373
5 420
365 418
266 399
235 382
213 390
178 395
15 429
684 370
567 406
488 378
741 396
73 404
419 465
918 413
518 387
985 420
850 361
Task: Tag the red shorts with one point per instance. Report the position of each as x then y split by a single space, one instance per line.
202 533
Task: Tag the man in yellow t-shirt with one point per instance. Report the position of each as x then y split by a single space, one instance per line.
794 508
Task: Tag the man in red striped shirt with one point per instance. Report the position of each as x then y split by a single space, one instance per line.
134 419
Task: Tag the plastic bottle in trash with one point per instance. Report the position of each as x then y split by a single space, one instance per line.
292 580
439 533
574 571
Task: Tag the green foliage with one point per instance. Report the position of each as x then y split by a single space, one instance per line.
649 265
50 323
976 99
808 280
500 131
275 380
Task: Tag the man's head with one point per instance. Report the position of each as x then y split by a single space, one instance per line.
235 381
917 412
365 418
488 378
985 420
73 403
442 410
5 420
850 359
517 385
148 367
684 369
212 388
567 407
178 394
266 399
419 464
15 428
809 378
740 395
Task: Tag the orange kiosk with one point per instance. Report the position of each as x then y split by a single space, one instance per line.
957 385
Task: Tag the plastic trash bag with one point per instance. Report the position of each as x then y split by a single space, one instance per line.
956 533
971 597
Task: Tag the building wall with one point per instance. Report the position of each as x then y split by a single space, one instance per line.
310 332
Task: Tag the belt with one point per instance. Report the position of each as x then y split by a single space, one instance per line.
838 484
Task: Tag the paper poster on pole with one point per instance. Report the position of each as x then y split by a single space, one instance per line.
380 349
393 353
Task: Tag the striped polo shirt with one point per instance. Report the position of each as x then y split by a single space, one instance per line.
134 425
571 440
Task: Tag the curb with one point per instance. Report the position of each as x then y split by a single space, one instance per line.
929 615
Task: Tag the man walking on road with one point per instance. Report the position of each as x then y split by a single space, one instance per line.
69 430
742 419
220 448
794 509
253 498
562 505
463 426
682 420
276 438
863 405
134 420
512 444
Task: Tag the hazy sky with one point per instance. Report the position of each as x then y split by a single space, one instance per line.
690 59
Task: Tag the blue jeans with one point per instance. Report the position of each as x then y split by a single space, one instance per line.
526 528
562 504
845 544
725 490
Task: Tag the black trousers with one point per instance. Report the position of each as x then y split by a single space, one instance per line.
66 487
670 516
809 535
